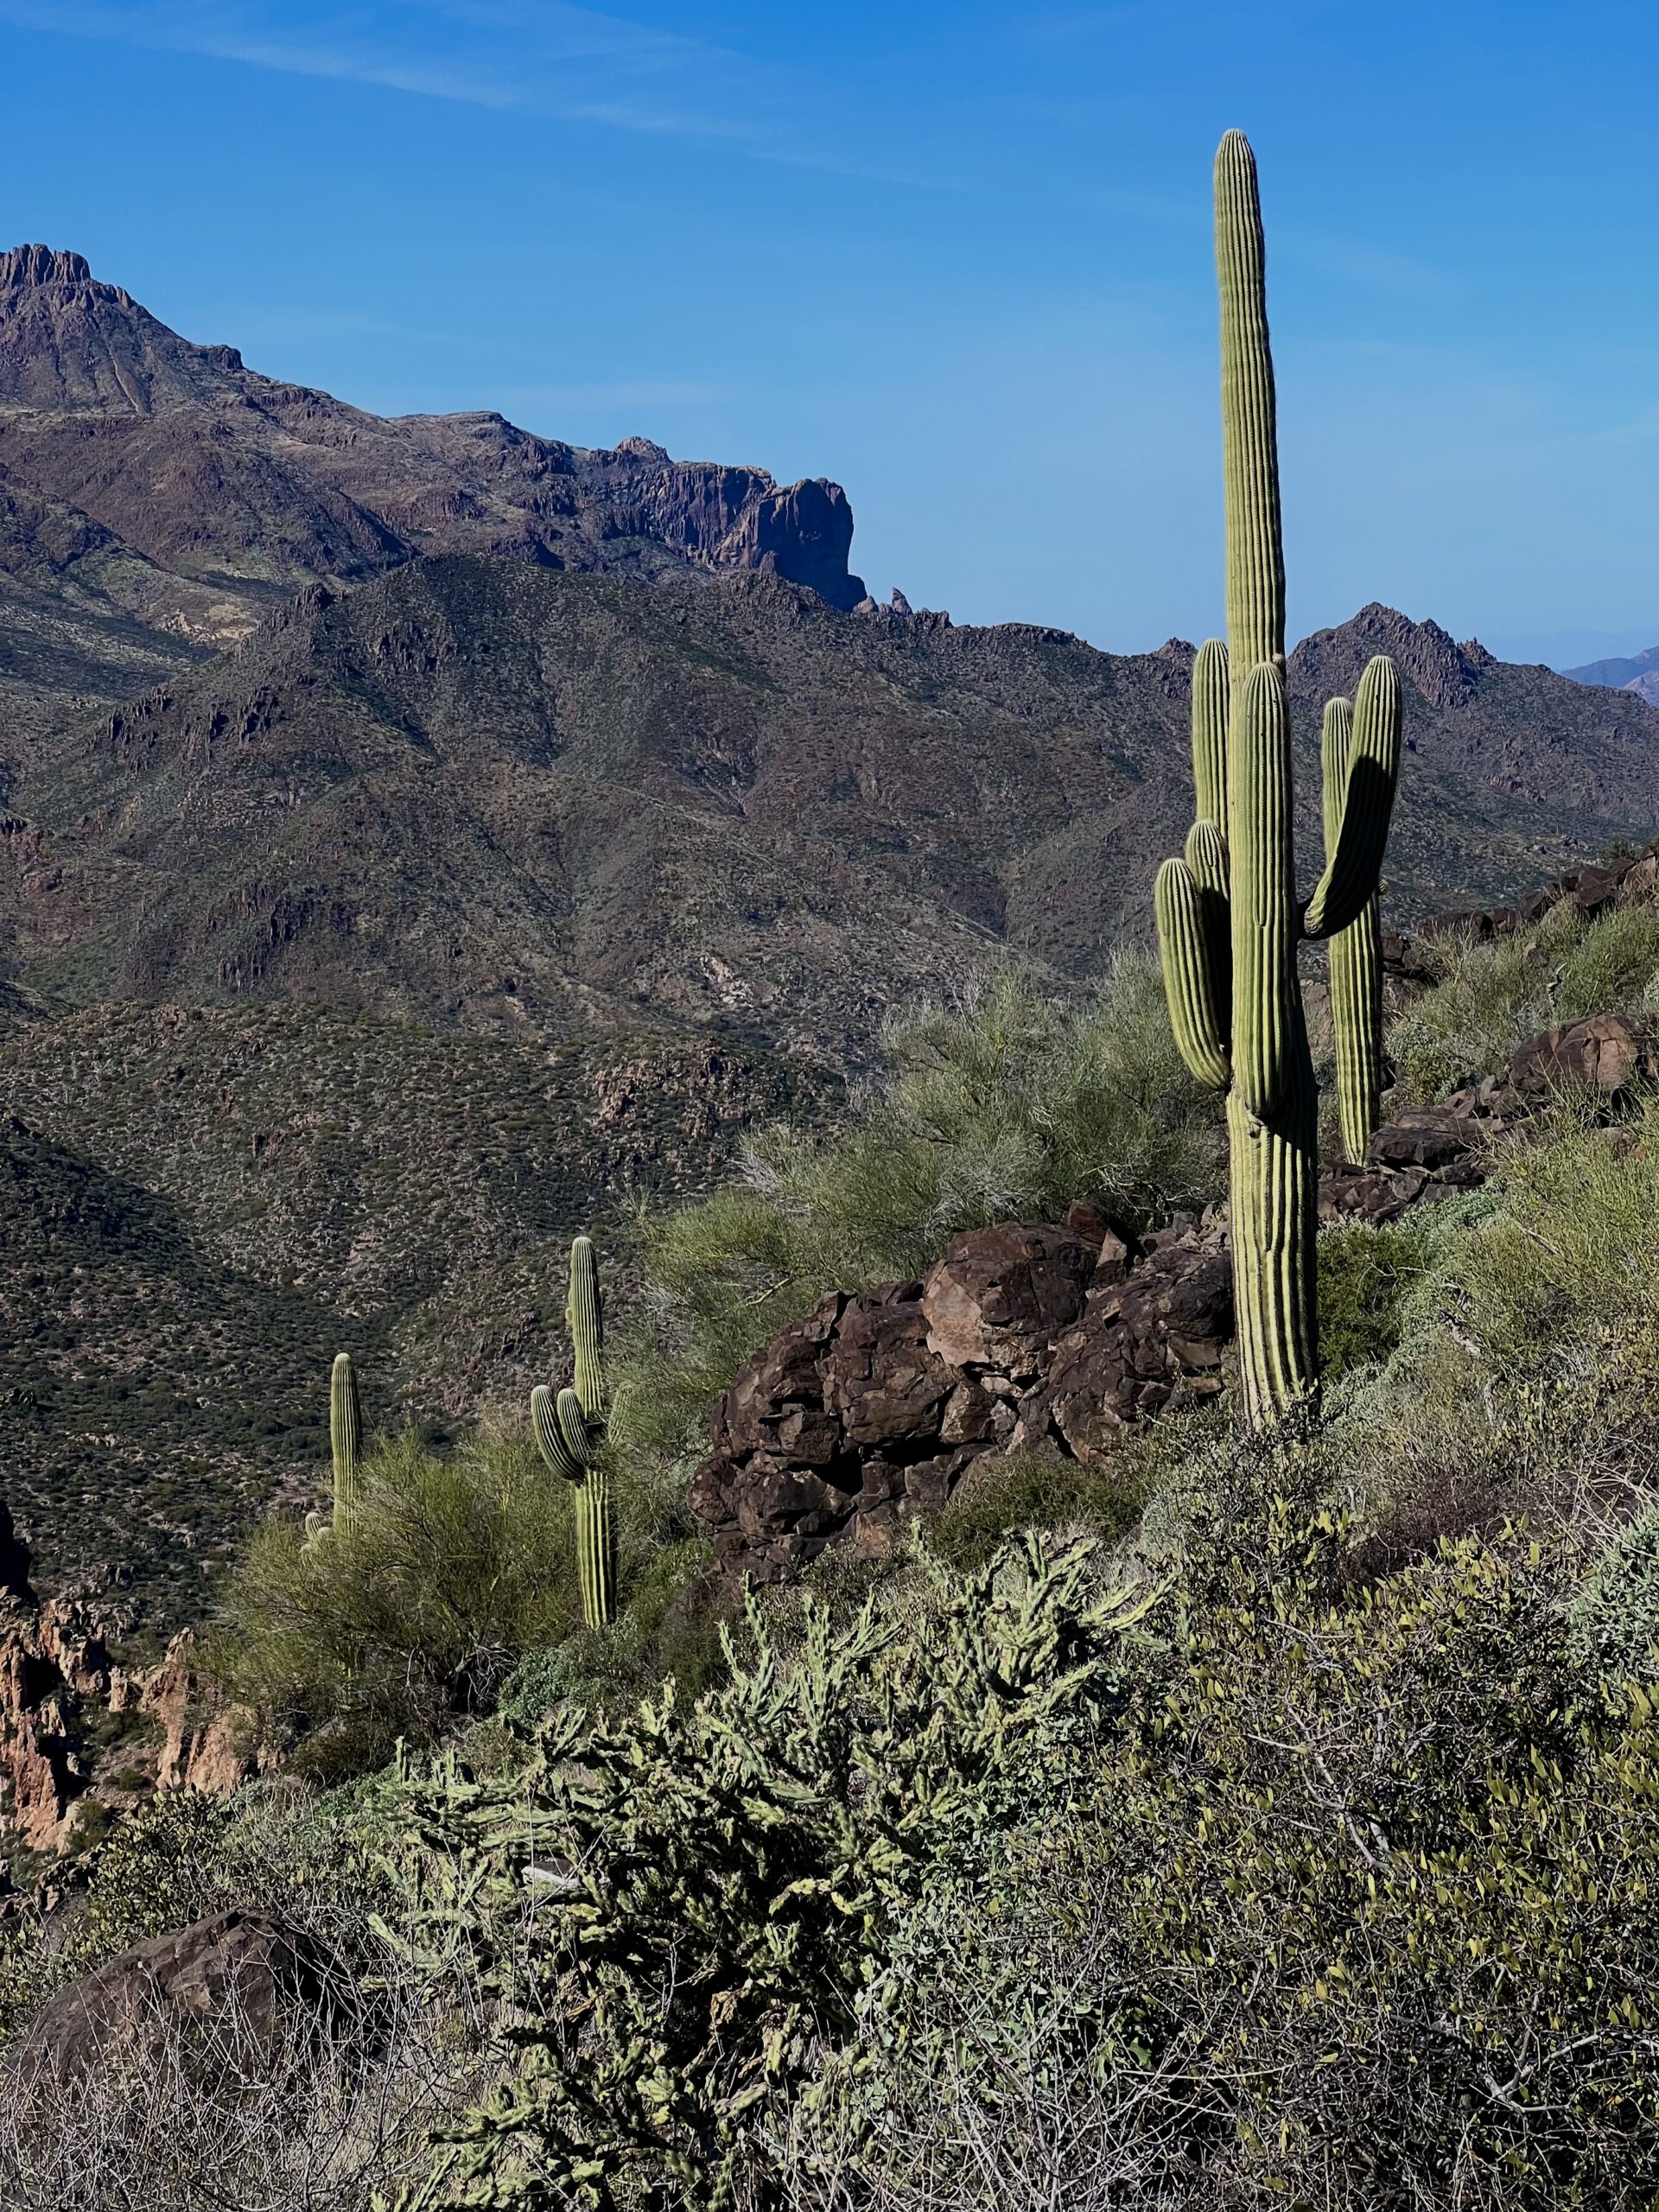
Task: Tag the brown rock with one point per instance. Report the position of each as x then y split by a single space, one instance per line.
241 1973
1000 1296
1160 1332
1424 1136
1603 1055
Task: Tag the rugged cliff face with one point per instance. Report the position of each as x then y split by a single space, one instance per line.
158 496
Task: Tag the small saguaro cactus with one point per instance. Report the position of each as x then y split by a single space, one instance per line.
1228 915
571 1432
346 1444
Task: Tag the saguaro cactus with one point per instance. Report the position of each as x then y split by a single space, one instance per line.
345 1436
569 1432
1227 916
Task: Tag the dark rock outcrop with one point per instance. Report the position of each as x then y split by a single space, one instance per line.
875 1407
1157 1333
239 1981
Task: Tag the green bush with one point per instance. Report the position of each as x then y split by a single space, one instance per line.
1613 1617
1488 998
1033 1489
715 1883
1010 1110
414 1615
1365 1277
1362 1910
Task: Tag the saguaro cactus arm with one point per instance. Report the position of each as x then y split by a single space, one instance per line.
1211 706
1369 778
546 1418
1186 949
1355 961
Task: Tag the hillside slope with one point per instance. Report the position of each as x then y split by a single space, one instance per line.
477 790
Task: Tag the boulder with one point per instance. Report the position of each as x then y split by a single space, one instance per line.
239 1980
1431 1137
1157 1335
1602 1055
1000 1297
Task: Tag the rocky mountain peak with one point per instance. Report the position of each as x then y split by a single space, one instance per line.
1441 670
28 266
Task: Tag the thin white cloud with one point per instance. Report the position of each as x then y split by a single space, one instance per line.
546 58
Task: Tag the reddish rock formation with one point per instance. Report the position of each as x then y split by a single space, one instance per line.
55 1678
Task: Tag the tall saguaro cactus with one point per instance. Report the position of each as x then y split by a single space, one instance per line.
1228 915
570 1430
345 1436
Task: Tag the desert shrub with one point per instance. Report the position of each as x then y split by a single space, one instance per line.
1611 965
1363 1910
1567 1260
712 1884
1613 1616
414 1614
1033 1489
1488 998
1008 1110
1365 1276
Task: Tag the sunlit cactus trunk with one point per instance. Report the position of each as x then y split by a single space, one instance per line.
569 1432
1235 998
345 1436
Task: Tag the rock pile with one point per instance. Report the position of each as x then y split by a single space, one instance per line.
876 1406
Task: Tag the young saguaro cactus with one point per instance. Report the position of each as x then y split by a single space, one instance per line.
570 1430
1228 919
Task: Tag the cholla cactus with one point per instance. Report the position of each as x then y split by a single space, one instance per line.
570 1430
1227 916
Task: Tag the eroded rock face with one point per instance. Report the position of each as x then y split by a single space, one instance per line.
874 1407
56 1677
239 1979
999 1297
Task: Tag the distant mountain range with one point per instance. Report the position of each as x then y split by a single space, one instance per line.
419 838
1639 673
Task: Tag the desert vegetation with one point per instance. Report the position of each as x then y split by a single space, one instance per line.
1257 1808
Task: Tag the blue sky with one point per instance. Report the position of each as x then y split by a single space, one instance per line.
955 256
